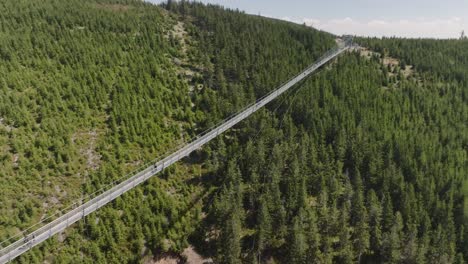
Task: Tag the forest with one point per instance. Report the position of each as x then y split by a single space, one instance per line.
365 161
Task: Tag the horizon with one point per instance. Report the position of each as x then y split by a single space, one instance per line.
364 18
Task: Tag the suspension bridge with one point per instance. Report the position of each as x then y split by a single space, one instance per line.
35 235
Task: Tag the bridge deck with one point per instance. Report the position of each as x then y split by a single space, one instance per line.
22 245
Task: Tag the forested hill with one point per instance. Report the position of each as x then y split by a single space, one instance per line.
365 161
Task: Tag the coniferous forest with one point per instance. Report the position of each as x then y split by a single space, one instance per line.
366 161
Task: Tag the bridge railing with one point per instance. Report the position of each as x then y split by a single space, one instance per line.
67 216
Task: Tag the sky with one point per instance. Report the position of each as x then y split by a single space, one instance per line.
402 18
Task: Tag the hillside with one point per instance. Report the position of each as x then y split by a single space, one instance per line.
363 161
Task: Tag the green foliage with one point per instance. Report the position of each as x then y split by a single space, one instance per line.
379 168
343 170
89 92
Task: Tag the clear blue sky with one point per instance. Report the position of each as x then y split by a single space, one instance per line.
410 18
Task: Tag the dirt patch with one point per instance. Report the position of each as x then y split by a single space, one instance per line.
408 71
368 54
61 236
364 52
134 164
178 32
59 191
87 147
7 127
51 202
390 62
189 256
194 258
339 41
164 259
15 159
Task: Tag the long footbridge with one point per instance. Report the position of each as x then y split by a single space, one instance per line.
43 231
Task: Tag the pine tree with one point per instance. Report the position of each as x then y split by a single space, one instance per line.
388 214
375 221
297 241
275 204
346 253
313 238
228 212
230 239
264 227
359 219
393 239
